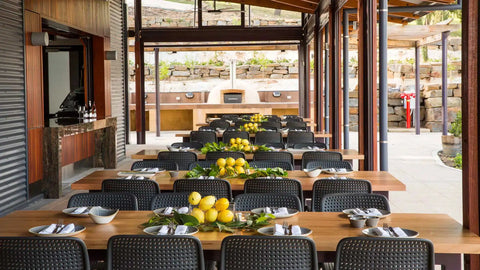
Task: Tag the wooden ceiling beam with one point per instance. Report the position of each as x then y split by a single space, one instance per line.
405 15
222 48
277 4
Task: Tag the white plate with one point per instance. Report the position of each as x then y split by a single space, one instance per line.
159 211
409 233
36 230
385 213
269 231
154 230
69 211
134 173
291 212
336 173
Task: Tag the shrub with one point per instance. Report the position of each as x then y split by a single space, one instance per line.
456 128
458 161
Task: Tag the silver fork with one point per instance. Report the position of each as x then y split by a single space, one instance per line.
59 226
285 228
387 228
171 228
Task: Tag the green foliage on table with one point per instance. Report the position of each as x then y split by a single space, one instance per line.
177 219
217 147
213 147
199 171
276 172
458 161
456 128
214 170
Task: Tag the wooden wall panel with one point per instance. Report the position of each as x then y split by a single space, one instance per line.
101 77
77 147
34 96
91 16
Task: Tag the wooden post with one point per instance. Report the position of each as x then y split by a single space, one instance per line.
139 76
367 83
318 71
470 121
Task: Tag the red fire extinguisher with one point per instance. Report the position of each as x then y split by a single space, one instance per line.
407 97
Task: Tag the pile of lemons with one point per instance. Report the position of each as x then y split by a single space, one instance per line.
257 118
209 209
231 166
251 127
239 144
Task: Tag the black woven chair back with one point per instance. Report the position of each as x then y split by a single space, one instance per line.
384 253
183 159
196 145
218 187
275 145
114 200
169 199
292 117
224 154
253 252
337 202
319 155
203 136
295 137
274 185
43 253
272 124
221 124
144 190
272 117
309 145
271 164
231 117
227 135
161 164
299 125
274 156
323 187
203 163
154 252
263 137
337 164
207 128
249 201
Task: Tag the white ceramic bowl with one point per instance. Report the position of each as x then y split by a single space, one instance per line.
312 173
173 173
102 215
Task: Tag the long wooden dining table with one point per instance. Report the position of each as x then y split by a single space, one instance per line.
449 238
186 136
382 182
348 154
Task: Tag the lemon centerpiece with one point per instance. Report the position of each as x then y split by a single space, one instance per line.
235 144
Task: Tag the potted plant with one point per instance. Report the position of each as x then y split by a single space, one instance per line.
452 143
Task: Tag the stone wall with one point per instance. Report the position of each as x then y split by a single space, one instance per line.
270 71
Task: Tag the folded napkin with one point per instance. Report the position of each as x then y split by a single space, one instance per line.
139 177
278 230
49 229
79 210
399 232
267 210
163 230
68 229
281 211
183 210
296 230
341 170
370 212
336 177
129 177
168 210
181 229
380 232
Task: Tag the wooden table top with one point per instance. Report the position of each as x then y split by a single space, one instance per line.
284 124
447 235
381 180
348 154
252 135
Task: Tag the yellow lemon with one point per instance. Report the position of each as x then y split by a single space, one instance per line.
245 142
222 171
230 161
247 148
238 140
245 126
240 162
232 140
211 215
199 215
250 124
221 162
255 125
222 204
206 202
239 169
194 198
225 216
247 130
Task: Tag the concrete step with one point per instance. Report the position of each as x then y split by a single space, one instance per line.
408 130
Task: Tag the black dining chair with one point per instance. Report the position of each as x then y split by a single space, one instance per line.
169 199
154 252
271 164
337 202
56 253
384 253
227 135
195 145
319 155
274 156
203 136
294 137
183 159
296 125
324 164
160 164
144 190
253 252
263 137
274 185
114 200
323 187
220 124
309 145
249 201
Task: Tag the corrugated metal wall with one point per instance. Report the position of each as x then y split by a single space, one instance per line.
13 129
117 42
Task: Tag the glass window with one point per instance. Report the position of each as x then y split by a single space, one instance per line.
262 17
166 13
217 13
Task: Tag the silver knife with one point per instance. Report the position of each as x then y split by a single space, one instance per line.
394 233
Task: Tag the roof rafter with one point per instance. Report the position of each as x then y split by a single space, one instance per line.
275 5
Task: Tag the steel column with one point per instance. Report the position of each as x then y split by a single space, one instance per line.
334 76
157 93
139 75
327 84
346 94
417 89
367 83
383 83
317 73
444 83
302 77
